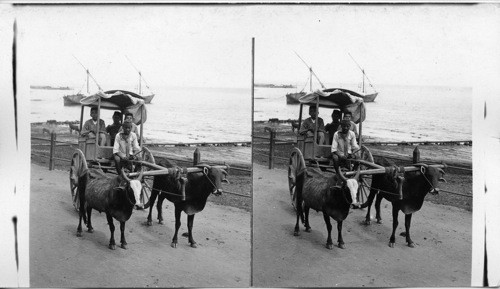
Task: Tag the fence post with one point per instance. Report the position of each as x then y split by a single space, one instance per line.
196 157
272 137
416 155
52 150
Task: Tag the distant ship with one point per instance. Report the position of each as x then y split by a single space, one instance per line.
367 97
47 87
146 97
275 86
74 99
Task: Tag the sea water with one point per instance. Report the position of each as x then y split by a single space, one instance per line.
399 113
175 114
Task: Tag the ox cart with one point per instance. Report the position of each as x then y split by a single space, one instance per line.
92 155
308 153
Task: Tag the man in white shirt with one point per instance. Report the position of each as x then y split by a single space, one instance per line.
344 144
126 147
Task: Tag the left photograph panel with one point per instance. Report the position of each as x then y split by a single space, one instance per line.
140 132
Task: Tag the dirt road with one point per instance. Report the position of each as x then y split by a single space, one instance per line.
441 257
60 259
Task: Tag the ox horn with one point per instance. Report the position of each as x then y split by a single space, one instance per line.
139 178
356 177
125 176
339 173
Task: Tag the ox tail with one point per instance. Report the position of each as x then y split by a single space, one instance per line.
82 185
299 187
371 197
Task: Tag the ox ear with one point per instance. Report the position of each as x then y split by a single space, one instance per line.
442 180
119 189
422 169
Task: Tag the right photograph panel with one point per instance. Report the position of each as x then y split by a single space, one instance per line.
362 146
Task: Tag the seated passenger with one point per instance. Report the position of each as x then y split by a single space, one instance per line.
114 128
309 124
332 127
344 145
354 128
89 129
125 148
129 117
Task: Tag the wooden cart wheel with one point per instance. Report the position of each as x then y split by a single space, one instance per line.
77 169
365 182
295 166
147 181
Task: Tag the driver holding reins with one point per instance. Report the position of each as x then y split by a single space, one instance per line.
344 145
126 147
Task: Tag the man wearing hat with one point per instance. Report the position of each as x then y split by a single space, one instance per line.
113 129
344 145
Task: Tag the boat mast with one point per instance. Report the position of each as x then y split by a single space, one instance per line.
140 83
311 72
88 81
310 79
363 87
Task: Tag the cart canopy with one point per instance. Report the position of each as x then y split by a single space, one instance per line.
343 99
123 101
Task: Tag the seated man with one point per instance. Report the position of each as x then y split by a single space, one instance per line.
332 127
125 147
309 124
89 129
114 128
344 145
129 117
354 128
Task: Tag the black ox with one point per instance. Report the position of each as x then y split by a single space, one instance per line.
405 190
333 194
116 196
196 188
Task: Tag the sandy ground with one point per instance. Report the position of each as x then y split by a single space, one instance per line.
442 256
60 259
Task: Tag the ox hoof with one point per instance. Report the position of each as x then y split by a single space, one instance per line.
124 246
296 233
149 223
193 245
79 234
329 246
173 245
379 221
90 230
308 230
391 244
411 244
160 222
341 245
112 246
367 222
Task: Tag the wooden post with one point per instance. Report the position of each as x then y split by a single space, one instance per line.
272 136
52 150
416 155
196 157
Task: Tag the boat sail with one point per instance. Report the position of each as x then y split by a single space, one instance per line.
293 98
146 97
74 99
367 97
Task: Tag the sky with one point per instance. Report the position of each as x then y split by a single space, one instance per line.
207 45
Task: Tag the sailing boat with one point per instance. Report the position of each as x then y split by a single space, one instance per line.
293 98
146 97
74 99
367 97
